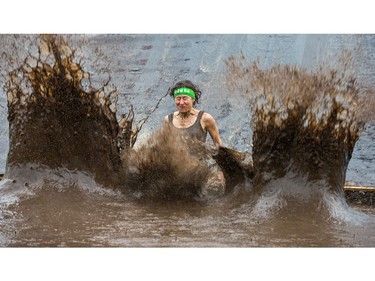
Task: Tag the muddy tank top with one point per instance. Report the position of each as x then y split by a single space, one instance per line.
195 131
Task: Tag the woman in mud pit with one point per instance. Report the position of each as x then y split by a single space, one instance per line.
196 123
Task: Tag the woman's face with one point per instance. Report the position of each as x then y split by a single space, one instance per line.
184 103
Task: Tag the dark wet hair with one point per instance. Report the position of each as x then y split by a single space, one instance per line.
187 84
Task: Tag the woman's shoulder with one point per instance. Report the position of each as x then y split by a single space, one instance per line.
207 116
168 117
208 119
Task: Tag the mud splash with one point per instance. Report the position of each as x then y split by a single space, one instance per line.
168 166
55 122
305 125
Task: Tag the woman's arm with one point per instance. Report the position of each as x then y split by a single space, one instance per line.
210 125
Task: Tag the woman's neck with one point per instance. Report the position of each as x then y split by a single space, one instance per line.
186 115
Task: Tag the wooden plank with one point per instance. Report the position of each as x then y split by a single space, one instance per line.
358 188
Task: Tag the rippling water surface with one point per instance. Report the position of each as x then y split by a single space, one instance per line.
76 218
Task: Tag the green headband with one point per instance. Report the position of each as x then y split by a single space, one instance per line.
184 91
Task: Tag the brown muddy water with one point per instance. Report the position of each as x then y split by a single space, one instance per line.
96 217
70 182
